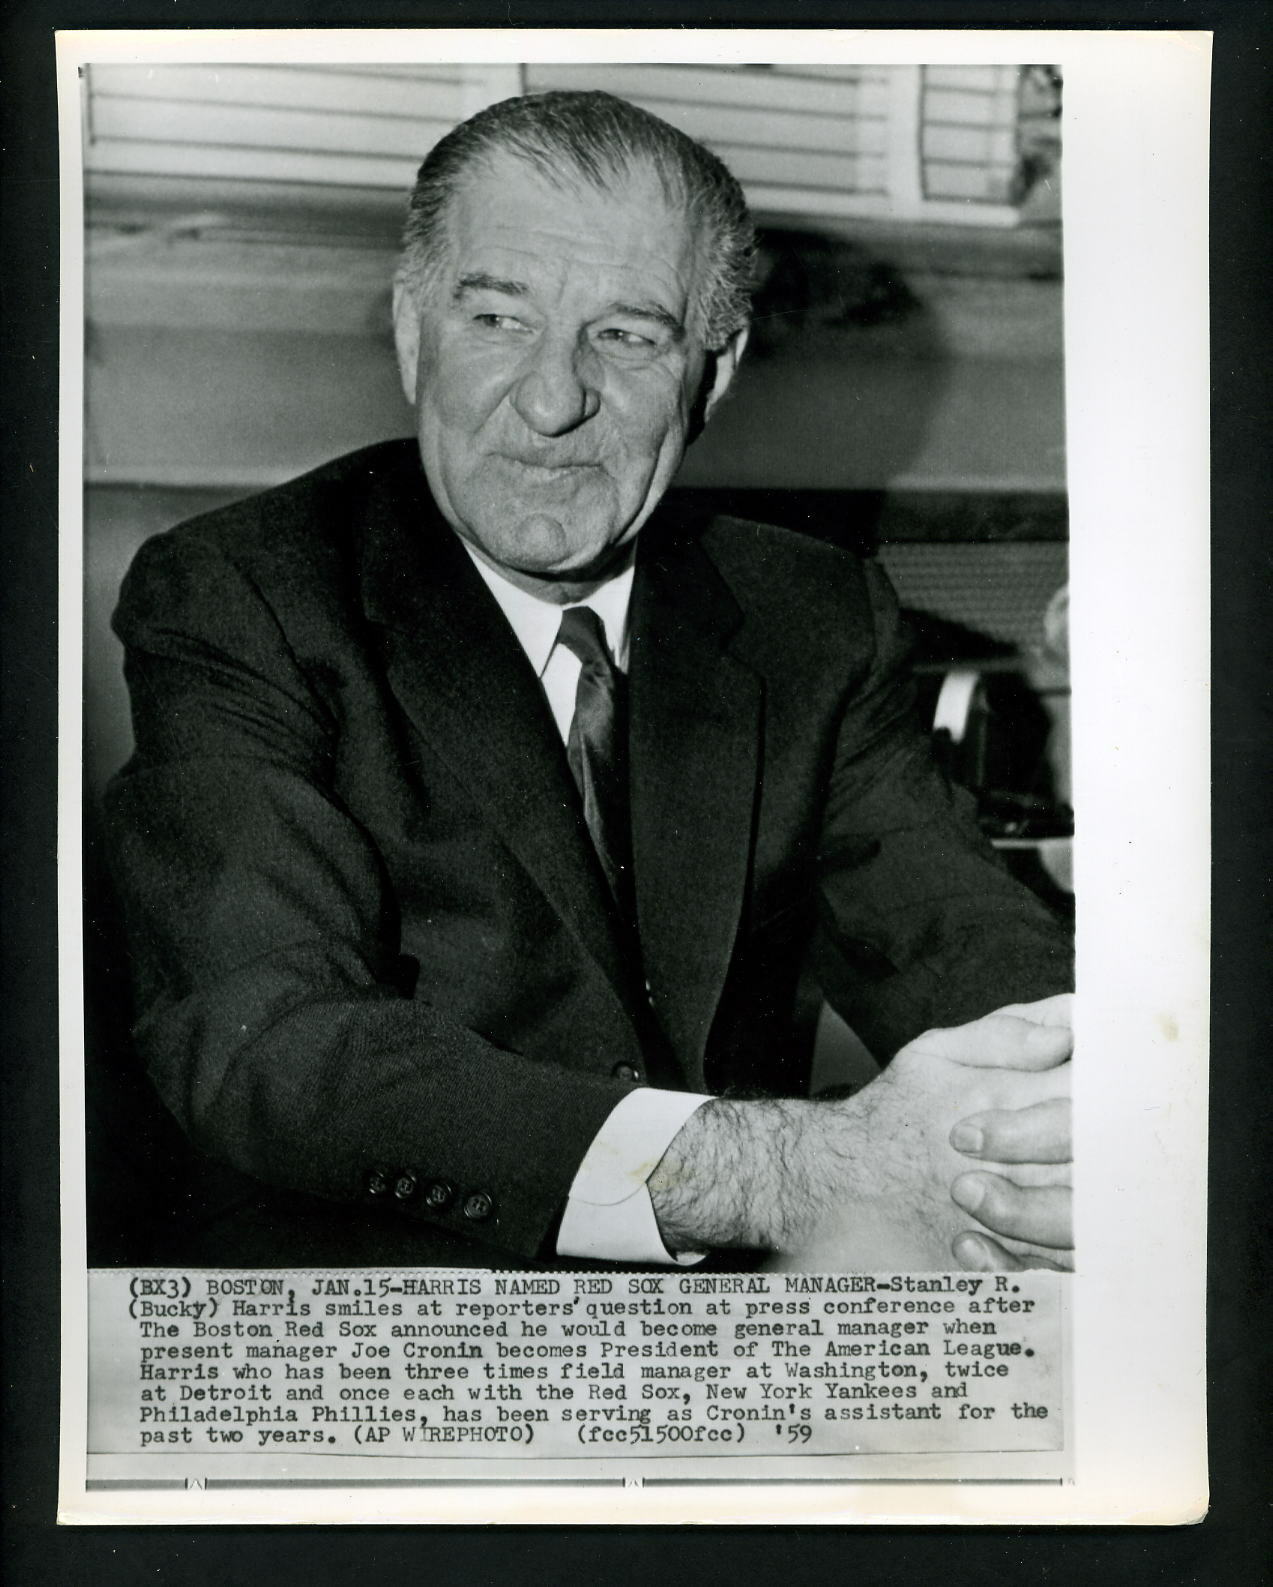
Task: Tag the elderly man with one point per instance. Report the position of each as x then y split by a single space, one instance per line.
483 812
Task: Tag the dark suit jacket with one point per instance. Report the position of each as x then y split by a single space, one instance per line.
371 941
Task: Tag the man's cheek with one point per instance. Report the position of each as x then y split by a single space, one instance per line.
650 438
463 393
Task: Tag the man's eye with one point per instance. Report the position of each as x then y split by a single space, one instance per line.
498 322
628 344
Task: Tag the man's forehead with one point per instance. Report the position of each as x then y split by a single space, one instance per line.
504 189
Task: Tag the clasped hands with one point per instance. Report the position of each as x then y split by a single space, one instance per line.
964 1143
1022 1195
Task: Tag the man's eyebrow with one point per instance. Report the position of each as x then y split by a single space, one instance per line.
480 281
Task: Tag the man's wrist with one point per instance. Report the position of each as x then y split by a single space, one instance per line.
747 1174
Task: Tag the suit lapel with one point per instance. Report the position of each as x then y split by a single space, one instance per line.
459 672
694 755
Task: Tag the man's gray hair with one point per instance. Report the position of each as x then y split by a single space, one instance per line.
599 139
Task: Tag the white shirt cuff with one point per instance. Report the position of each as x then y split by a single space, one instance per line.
609 1213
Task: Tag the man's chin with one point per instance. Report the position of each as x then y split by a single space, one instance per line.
553 550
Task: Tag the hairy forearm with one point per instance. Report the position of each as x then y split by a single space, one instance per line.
746 1174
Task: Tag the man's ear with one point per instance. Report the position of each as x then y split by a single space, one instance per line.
718 377
721 370
406 337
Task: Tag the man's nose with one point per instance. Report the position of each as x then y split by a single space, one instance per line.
557 390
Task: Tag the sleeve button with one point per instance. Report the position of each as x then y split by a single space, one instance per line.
478 1206
626 1071
438 1195
404 1187
377 1182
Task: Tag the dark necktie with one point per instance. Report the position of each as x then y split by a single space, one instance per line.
596 748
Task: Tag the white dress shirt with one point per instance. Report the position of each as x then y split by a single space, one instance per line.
608 1213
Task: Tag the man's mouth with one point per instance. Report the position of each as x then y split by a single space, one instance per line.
548 465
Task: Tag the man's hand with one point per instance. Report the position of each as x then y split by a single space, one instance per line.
1027 1200
865 1184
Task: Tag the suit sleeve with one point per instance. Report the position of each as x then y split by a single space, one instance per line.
264 941
919 922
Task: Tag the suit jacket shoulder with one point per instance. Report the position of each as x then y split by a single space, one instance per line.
804 609
326 500
301 545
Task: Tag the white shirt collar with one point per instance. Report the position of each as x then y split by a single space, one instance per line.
536 622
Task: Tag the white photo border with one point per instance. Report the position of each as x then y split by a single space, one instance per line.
1136 153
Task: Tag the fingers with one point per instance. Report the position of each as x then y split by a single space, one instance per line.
1039 1214
978 1253
1037 1134
1058 1010
1001 1040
